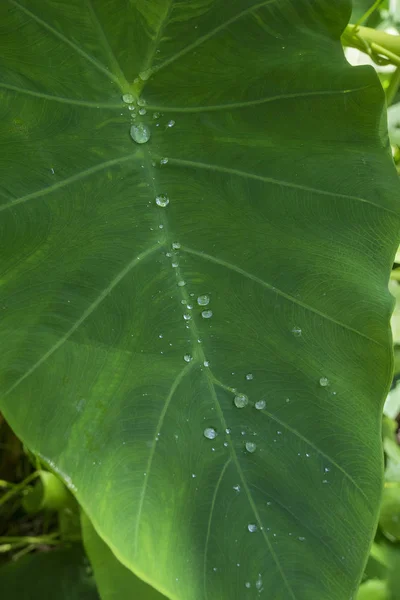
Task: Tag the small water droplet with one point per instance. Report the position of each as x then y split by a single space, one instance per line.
156 115
175 264
141 102
215 569
162 200
142 111
324 382
203 300
250 447
187 317
210 433
164 161
259 582
176 245
171 123
241 400
206 363
140 133
237 488
187 358
128 98
327 469
144 75
193 475
248 584
249 376
296 331
260 404
207 314
301 539
181 283
227 431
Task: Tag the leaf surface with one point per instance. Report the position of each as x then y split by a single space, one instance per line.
283 210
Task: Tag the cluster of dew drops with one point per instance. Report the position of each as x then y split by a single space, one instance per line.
141 133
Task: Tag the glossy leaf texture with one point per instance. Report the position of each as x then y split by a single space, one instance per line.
114 581
64 574
242 251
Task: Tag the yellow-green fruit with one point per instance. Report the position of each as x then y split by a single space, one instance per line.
374 589
389 519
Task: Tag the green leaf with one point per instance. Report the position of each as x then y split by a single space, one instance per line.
283 209
114 581
60 574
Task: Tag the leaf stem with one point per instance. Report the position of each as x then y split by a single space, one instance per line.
18 488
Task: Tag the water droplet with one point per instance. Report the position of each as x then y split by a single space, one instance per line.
249 376
141 102
250 447
142 111
259 583
140 133
203 300
241 401
210 433
164 161
301 539
162 200
227 431
187 317
296 331
248 584
327 469
175 264
215 569
176 245
324 381
187 358
181 283
128 98
260 404
156 115
206 363
207 314
237 488
171 123
193 475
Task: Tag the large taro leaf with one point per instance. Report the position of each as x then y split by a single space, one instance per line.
283 209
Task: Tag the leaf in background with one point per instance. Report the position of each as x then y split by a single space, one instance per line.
130 323
114 581
57 575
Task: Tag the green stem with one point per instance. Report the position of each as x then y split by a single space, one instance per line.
24 540
369 12
18 488
393 87
373 42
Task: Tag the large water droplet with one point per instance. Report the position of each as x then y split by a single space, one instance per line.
203 300
176 245
187 358
207 314
250 447
162 200
142 111
260 404
128 98
140 133
324 381
210 433
241 400
141 102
